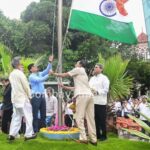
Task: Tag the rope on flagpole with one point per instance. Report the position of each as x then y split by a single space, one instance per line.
53 30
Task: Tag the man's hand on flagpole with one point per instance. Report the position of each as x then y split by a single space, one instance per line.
51 72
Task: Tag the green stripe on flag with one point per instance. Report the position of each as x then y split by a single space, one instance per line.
102 26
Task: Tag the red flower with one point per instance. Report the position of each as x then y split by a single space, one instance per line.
58 128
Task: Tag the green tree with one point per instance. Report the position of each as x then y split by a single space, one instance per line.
139 70
5 30
120 82
25 62
69 59
33 37
5 61
44 12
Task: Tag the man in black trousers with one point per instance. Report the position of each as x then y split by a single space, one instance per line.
36 80
99 84
7 106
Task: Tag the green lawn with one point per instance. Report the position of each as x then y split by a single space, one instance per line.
113 143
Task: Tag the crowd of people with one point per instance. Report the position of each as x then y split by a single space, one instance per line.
26 102
134 106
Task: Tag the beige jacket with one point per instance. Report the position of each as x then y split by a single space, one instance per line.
81 83
20 88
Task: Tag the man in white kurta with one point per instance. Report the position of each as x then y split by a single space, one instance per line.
20 97
99 84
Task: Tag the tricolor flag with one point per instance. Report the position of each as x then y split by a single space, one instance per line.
109 19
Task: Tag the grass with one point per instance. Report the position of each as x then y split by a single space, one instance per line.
113 143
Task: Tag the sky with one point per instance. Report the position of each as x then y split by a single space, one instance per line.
137 15
13 9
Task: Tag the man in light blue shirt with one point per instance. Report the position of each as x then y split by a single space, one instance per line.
36 80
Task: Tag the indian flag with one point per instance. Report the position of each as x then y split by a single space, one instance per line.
109 19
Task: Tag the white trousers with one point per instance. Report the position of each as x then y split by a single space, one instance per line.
18 113
85 110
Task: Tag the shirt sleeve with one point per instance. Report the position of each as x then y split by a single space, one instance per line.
46 71
25 85
74 72
36 79
91 83
105 88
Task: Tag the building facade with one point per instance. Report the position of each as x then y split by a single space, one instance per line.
141 49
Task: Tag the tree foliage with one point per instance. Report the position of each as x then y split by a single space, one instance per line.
139 69
5 61
120 82
142 124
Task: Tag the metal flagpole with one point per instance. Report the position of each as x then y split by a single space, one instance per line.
59 35
146 6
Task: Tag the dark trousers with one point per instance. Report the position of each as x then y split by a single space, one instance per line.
100 121
68 120
6 119
38 104
23 126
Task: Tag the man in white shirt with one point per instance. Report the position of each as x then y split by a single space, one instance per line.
99 84
20 97
126 109
51 106
84 102
116 108
144 108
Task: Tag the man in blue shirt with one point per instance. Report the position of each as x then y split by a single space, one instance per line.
36 80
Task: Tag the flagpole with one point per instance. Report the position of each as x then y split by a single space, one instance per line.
146 5
59 36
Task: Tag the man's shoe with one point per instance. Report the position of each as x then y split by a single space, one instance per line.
93 143
82 141
17 136
32 137
11 138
